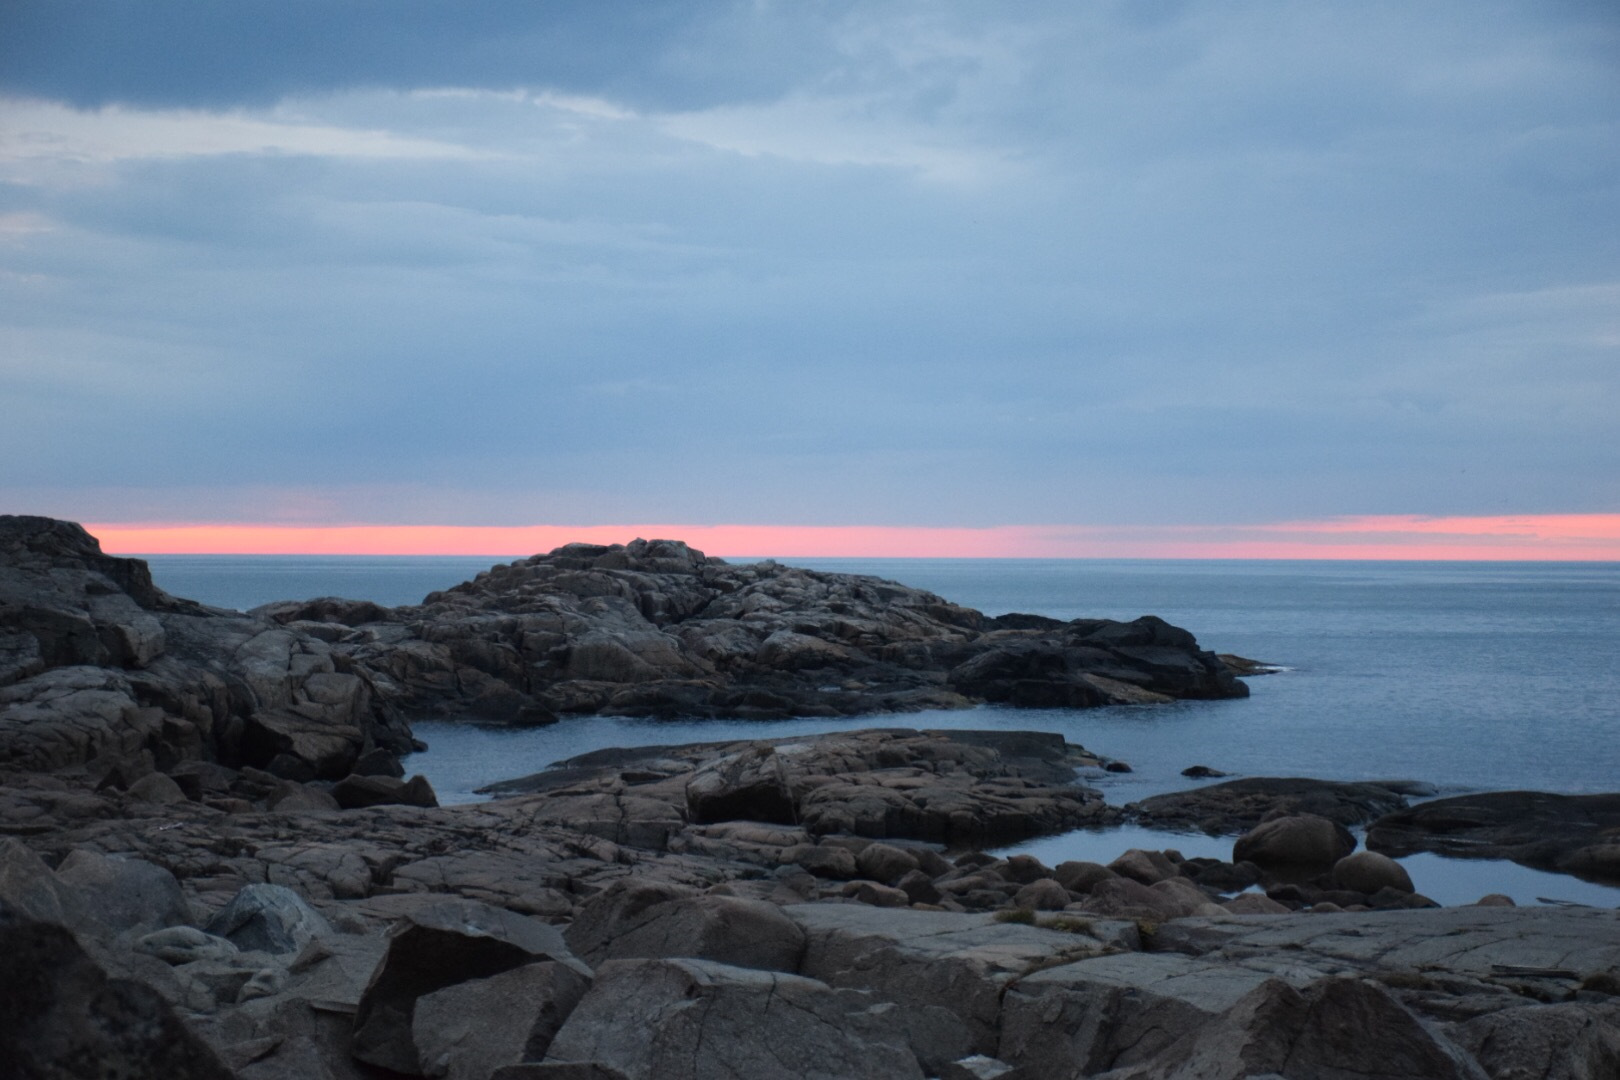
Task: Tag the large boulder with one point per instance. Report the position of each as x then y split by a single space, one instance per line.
268 918
947 970
438 946
1368 871
727 929
127 894
1330 1029
1102 1013
1298 841
695 1019
469 1029
66 1017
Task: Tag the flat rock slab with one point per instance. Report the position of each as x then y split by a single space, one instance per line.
696 1020
944 961
1486 943
1576 834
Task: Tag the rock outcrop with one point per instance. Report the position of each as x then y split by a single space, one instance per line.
101 670
655 628
1571 834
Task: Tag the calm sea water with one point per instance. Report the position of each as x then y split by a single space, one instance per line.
1469 676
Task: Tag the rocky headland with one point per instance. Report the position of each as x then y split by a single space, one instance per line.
212 865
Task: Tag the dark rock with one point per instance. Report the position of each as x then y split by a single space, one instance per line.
696 1019
441 945
379 762
1239 805
467 1030
1368 872
619 924
1081 877
126 893
1565 833
1332 1029
65 1017
1297 841
1202 772
355 792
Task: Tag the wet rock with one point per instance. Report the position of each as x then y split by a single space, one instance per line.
696 1019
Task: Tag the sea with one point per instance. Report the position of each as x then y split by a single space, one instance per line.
1463 676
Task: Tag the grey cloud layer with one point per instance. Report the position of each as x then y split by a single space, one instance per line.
879 263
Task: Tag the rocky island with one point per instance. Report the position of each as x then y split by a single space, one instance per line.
212 865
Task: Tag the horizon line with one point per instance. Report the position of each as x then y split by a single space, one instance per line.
1501 538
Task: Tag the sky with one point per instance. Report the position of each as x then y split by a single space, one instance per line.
1133 277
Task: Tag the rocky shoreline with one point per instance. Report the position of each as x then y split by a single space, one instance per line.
211 863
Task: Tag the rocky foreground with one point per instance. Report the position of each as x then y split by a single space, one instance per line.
211 864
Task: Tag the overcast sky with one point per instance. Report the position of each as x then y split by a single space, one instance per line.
953 264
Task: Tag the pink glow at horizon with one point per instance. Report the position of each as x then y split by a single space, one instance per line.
1551 537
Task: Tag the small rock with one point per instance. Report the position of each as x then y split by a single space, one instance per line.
1202 772
1081 877
1495 899
1042 895
184 945
157 789
1368 871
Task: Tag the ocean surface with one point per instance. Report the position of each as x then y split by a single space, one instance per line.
1467 676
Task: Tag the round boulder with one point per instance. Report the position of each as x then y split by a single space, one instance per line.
1368 871
1302 840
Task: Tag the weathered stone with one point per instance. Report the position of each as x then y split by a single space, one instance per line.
467 1030
1147 867
1239 805
127 893
1368 872
356 792
443 944
64 1017
1568 833
1321 1031
621 924
1574 1041
885 864
268 918
1300 840
1042 895
922 960
1081 877
696 1019
185 945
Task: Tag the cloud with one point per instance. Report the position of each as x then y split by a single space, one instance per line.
910 263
